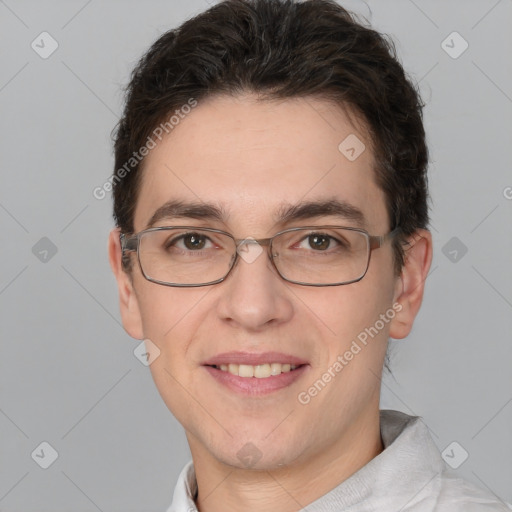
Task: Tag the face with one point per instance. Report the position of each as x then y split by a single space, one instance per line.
252 161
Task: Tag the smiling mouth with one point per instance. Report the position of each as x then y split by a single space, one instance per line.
260 371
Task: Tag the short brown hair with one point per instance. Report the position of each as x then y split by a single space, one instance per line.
283 49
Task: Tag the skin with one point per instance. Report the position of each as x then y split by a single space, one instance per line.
250 157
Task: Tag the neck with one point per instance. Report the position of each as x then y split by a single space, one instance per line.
290 488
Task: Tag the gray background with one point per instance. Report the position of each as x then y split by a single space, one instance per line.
68 375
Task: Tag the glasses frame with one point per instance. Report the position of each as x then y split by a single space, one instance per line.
131 243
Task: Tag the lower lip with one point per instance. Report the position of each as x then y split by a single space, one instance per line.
254 386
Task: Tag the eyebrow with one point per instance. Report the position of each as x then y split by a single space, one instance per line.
285 214
197 210
320 208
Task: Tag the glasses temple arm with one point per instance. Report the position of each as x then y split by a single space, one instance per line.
128 243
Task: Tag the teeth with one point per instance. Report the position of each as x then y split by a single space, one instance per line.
245 370
260 371
275 368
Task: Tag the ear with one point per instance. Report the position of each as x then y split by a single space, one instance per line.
128 302
411 283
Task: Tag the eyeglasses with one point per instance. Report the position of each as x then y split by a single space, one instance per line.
186 256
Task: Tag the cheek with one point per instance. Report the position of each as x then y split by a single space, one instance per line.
348 310
345 313
164 308
170 318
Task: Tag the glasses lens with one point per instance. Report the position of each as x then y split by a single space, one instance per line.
322 256
185 256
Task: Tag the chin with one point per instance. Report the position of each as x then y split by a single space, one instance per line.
256 455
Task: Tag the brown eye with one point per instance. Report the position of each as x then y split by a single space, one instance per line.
194 241
319 242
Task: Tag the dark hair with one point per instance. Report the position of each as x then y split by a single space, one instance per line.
282 49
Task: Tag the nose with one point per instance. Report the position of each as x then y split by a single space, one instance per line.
253 295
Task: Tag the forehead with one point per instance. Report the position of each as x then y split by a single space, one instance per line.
252 157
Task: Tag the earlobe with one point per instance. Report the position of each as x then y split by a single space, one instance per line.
128 301
411 282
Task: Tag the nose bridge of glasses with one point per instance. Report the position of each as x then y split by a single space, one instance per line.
249 249
240 242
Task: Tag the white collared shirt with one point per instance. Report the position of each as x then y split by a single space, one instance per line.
409 475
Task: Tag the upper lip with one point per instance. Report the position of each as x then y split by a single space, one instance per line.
254 359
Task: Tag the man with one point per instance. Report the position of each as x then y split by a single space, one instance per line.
271 206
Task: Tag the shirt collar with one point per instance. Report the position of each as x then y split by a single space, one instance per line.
409 463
